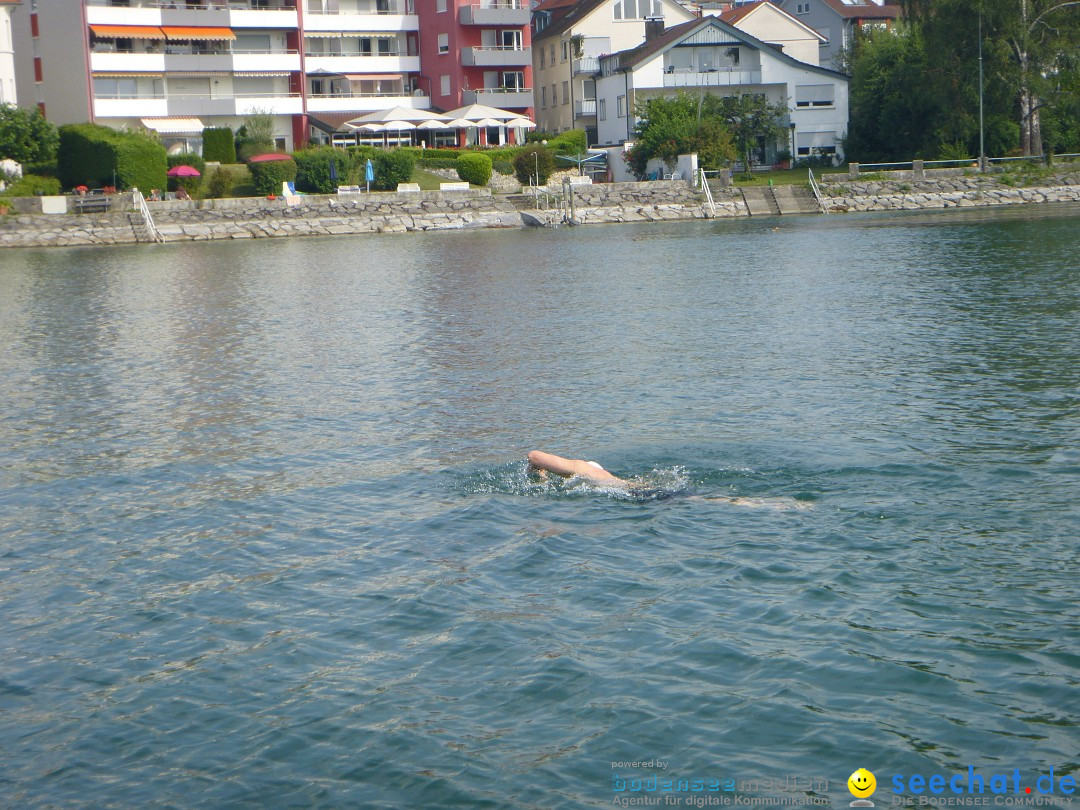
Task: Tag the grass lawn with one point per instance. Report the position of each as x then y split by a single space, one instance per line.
779 177
242 186
426 180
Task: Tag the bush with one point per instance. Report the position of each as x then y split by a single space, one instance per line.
187 159
532 160
474 168
219 145
571 142
220 183
93 155
268 176
502 166
313 169
392 167
30 185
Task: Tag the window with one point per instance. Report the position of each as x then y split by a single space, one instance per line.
566 92
554 97
802 8
543 97
601 109
510 40
440 5
444 43
620 104
637 9
814 95
513 80
444 85
386 47
552 59
565 49
542 52
815 143
588 89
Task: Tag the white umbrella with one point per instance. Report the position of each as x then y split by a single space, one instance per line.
370 127
392 126
488 122
460 123
474 112
395 115
520 123
434 125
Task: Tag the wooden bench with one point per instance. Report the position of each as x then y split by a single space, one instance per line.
93 204
410 187
348 189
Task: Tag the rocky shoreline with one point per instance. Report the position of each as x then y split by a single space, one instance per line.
656 201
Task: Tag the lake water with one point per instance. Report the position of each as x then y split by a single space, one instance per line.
267 538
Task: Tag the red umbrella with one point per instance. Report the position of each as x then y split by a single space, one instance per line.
271 156
184 171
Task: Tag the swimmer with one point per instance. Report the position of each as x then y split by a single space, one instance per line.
543 463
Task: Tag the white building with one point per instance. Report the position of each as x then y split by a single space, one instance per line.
711 56
177 66
7 53
568 36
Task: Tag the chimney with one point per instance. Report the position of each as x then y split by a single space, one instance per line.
654 27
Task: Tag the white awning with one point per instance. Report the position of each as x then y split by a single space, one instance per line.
174 126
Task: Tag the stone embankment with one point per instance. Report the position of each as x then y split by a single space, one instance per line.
950 188
324 215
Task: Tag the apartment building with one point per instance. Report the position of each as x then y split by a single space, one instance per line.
177 66
569 36
7 53
476 52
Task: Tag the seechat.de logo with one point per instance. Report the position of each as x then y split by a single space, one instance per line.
862 785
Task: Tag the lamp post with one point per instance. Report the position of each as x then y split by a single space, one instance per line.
982 144
791 125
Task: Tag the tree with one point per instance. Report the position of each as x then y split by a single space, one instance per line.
26 137
750 117
256 134
669 127
1028 49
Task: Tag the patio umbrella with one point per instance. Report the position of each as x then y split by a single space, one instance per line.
369 174
393 116
474 112
183 171
520 123
269 157
433 124
333 171
370 128
488 122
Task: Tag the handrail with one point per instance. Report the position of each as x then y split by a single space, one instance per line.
817 193
708 191
148 219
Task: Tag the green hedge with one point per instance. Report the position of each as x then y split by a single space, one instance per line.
474 168
532 159
313 169
268 176
392 166
93 155
31 185
187 159
437 163
219 144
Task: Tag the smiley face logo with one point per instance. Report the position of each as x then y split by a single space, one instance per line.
862 783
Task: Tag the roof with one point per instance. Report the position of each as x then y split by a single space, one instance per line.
649 49
564 13
735 15
863 11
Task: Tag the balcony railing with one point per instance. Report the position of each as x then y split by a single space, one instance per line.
500 96
586 64
712 77
202 5
496 56
502 12
585 106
